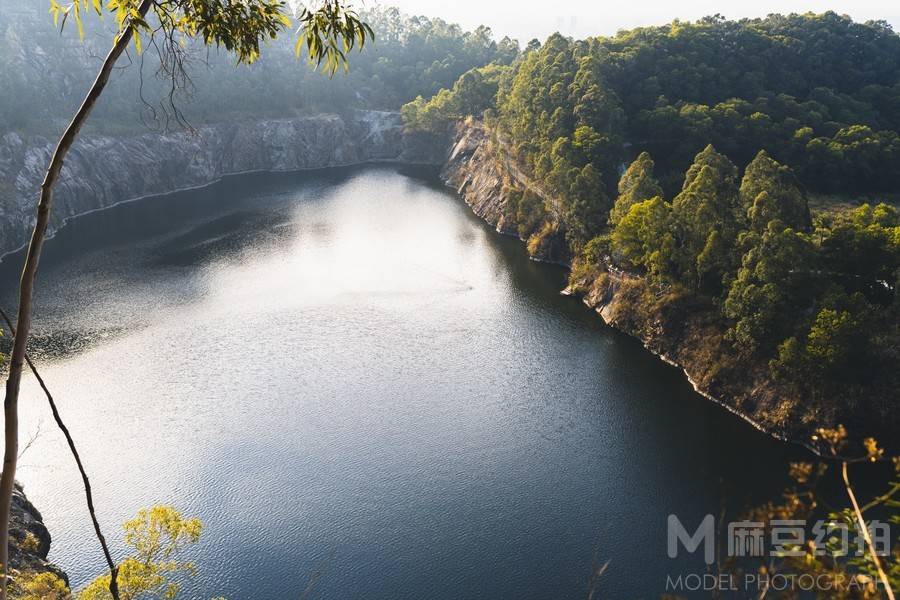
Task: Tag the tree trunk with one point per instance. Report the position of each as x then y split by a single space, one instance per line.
26 292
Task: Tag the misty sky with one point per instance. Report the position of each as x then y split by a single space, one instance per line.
579 18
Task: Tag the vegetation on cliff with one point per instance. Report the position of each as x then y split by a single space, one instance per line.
157 537
729 125
818 93
815 302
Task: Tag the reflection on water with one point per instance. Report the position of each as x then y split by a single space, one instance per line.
345 373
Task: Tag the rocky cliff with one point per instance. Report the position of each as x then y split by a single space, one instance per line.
473 170
101 170
29 540
684 331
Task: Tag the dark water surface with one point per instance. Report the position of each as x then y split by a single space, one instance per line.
354 381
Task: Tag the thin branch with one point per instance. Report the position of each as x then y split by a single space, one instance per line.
27 285
881 499
31 440
864 531
89 496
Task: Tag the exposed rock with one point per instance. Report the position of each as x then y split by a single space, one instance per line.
101 170
482 170
473 171
29 540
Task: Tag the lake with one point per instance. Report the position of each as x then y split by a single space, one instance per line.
364 392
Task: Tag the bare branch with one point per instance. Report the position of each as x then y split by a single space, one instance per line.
31 440
88 493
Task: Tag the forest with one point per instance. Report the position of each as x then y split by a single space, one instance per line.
691 153
410 56
819 93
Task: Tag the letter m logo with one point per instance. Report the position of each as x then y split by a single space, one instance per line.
705 535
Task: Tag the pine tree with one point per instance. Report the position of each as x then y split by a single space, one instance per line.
708 203
785 201
636 185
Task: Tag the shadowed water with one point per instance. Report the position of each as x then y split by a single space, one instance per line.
361 388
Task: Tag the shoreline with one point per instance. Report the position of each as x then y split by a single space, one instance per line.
220 179
476 177
109 170
781 437
460 193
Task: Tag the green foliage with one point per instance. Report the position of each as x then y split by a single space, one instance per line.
740 85
770 286
471 94
566 126
636 185
865 244
408 57
707 220
567 104
596 250
545 243
43 586
156 537
527 209
644 238
770 191
326 33
820 306
830 339
587 207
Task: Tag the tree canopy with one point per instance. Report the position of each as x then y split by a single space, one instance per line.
408 56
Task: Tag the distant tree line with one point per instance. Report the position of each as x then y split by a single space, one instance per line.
819 93
410 56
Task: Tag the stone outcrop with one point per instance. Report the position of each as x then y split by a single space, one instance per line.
474 172
101 171
29 540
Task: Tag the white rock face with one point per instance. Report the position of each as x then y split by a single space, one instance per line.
101 171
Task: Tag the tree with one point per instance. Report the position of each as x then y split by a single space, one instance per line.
707 204
643 238
156 536
44 586
636 185
472 93
740 85
326 34
770 287
587 206
865 572
865 243
783 199
831 339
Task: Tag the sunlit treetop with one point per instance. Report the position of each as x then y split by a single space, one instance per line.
326 31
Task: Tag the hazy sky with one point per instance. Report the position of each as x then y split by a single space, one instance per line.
579 18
